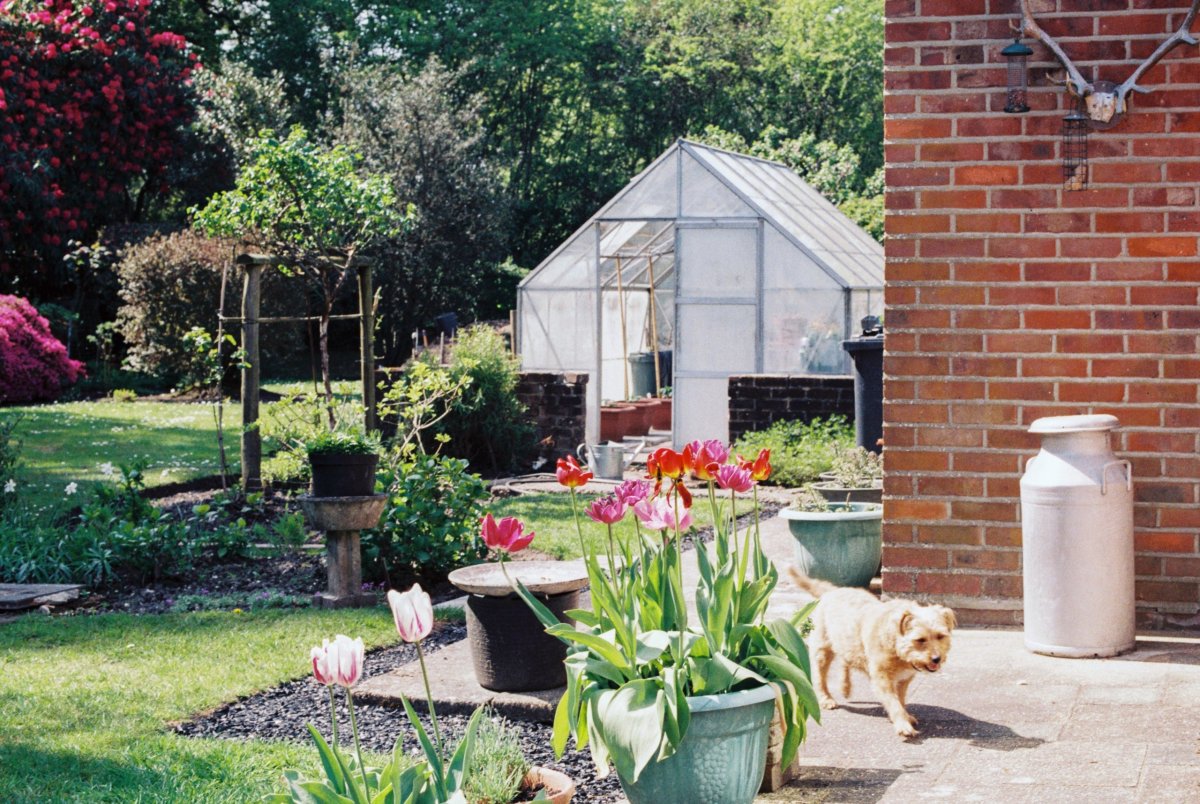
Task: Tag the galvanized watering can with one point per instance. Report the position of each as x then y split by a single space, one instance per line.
608 461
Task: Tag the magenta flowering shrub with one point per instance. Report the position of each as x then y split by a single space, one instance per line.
33 363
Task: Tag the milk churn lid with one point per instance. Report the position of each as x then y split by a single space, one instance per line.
1075 424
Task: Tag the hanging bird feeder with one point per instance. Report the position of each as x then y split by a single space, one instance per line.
1017 55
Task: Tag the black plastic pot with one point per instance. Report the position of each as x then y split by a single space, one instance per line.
510 648
343 475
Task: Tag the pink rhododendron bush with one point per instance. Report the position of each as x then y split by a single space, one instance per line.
33 363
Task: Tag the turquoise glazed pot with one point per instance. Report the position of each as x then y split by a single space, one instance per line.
721 758
843 545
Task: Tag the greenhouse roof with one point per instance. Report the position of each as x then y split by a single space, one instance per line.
690 181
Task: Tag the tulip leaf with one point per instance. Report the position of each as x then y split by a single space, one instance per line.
630 721
316 793
786 671
431 753
562 725
460 763
544 615
790 640
335 768
598 644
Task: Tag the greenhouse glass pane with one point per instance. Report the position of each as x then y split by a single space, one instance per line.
705 196
557 330
654 194
803 332
718 262
700 409
786 267
716 338
614 350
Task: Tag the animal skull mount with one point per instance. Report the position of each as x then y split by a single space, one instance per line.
1104 102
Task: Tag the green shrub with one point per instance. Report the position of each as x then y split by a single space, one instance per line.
298 418
124 395
800 451
172 283
431 523
487 425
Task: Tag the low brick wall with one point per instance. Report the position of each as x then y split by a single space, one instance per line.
757 400
557 405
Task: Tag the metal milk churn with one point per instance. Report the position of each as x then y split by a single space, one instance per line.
1077 536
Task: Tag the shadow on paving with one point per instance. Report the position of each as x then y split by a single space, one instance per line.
940 723
850 785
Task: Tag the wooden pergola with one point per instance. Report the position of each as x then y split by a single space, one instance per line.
252 266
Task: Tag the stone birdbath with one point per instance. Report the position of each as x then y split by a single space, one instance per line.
510 649
342 518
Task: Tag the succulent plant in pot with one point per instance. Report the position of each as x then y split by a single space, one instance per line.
840 542
856 476
343 463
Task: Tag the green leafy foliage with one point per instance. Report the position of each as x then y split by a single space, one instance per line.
800 451
431 523
342 442
486 425
499 764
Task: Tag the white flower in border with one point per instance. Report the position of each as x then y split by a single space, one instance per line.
10 487
106 468
72 487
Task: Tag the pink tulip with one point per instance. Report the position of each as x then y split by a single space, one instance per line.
708 457
632 492
606 510
413 613
339 662
660 515
733 477
508 534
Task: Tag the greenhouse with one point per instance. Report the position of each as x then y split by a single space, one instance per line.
708 264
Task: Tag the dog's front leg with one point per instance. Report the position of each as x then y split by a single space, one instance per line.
885 686
824 657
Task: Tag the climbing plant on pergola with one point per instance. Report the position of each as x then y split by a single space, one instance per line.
313 215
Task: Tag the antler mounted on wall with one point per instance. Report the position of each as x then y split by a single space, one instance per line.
1104 100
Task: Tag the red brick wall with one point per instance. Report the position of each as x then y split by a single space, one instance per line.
1009 298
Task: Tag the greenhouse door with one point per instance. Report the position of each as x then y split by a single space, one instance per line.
717 322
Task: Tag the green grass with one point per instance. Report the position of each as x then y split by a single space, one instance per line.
549 516
65 443
87 701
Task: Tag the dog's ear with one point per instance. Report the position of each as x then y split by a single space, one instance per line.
905 620
948 618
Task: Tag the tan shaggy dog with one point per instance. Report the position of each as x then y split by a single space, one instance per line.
889 641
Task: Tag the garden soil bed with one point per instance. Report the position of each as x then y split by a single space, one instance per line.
283 712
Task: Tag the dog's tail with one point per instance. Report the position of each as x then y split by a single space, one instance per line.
813 586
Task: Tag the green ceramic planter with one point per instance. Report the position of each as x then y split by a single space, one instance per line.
722 757
842 546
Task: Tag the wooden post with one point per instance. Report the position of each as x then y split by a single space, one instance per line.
366 326
251 437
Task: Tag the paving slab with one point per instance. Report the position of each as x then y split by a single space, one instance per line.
455 691
21 596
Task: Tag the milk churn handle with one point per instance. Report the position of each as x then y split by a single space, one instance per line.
1104 475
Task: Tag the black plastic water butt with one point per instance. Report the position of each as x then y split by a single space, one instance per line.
866 351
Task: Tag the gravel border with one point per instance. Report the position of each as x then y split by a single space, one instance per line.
282 713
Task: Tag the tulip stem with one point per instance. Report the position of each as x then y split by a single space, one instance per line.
612 564
357 748
437 735
578 528
333 716
758 569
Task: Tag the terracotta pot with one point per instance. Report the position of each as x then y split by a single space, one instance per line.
660 417
558 787
618 421
646 409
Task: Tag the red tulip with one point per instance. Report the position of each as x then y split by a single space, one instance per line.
606 510
571 474
760 467
508 534
708 456
666 462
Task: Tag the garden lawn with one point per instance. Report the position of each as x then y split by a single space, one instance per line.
68 443
549 516
87 700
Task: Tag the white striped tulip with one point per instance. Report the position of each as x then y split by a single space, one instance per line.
413 613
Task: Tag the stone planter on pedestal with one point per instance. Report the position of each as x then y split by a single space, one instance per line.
342 518
510 648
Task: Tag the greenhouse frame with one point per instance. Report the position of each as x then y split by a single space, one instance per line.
711 264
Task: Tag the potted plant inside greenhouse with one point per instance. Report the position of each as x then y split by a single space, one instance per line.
682 706
839 542
856 476
343 463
